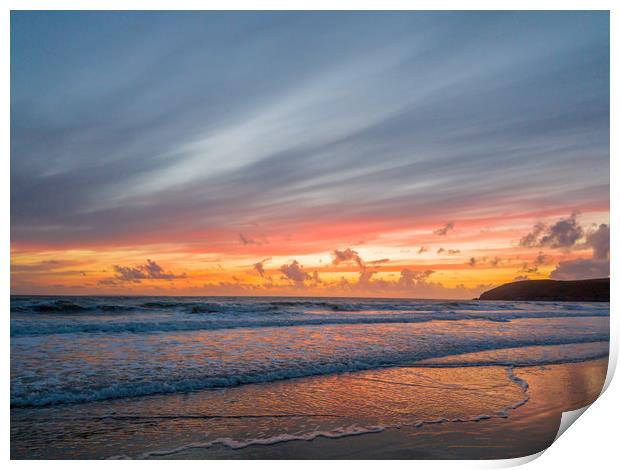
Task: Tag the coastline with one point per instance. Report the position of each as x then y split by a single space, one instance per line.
526 430
412 412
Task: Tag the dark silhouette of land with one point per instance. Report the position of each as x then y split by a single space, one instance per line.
587 290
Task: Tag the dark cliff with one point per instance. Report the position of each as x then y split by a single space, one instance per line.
587 290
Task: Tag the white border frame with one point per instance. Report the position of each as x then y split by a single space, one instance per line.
592 442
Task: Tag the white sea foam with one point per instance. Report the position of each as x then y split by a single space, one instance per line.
277 439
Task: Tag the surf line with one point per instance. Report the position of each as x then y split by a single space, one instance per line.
342 432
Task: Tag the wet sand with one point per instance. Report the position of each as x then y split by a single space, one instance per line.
439 412
526 430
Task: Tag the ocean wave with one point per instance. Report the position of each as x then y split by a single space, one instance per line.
27 327
24 396
58 306
259 304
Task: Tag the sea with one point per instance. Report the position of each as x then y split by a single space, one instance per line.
133 377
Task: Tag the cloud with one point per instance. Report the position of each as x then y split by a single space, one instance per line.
409 277
116 184
245 241
423 249
443 231
294 272
449 252
521 278
42 266
581 269
599 241
532 268
527 268
541 259
565 233
365 277
260 267
379 261
472 261
149 270
342 256
531 239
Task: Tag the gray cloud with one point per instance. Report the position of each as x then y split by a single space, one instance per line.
565 233
597 266
259 267
581 269
342 256
443 231
532 238
294 272
599 241
532 268
149 270
449 251
541 259
43 266
409 277
245 241
365 277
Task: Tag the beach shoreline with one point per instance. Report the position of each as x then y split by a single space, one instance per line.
526 430
527 406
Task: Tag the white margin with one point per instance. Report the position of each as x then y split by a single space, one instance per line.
592 443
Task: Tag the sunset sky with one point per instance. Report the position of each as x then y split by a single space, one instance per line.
364 154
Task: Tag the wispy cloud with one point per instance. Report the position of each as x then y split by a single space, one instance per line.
260 267
150 270
443 231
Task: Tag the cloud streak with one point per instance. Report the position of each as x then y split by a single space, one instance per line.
148 271
280 147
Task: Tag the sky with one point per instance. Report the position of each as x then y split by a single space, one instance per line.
393 154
